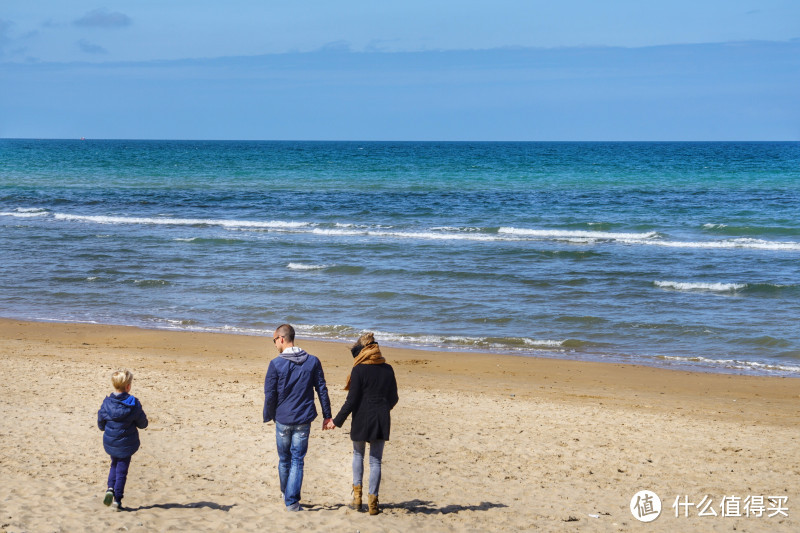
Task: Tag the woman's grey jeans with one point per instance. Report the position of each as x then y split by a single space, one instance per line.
375 456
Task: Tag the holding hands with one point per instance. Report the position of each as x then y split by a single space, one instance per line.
328 424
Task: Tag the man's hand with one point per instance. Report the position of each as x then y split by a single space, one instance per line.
328 424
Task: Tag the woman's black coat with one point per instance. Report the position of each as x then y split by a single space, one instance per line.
373 393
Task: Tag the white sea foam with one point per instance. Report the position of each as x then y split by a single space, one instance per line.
573 234
190 325
650 239
463 341
150 282
406 234
441 233
435 236
690 286
301 266
179 323
455 228
751 244
276 224
24 212
338 232
330 332
543 343
735 364
357 226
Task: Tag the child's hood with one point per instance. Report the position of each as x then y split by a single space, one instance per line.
120 406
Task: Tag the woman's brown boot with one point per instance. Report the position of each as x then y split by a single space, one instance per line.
373 504
356 498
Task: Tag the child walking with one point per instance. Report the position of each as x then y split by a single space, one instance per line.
119 417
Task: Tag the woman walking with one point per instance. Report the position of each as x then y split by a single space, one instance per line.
372 394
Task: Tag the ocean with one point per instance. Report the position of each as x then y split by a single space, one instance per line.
679 255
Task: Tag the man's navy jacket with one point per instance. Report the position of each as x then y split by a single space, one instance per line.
289 388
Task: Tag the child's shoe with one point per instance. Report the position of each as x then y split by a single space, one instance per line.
117 505
109 497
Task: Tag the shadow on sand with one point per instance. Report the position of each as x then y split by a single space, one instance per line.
426 507
417 507
412 506
195 505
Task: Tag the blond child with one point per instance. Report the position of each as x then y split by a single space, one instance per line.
120 418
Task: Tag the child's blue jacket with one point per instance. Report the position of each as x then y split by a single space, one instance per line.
120 418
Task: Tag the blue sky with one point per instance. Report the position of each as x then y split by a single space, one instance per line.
371 70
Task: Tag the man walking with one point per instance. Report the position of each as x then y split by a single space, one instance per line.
289 388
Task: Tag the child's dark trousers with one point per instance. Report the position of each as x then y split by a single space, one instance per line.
118 475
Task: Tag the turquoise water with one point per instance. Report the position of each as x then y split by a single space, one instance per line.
669 254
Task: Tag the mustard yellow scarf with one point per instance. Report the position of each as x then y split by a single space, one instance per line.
369 355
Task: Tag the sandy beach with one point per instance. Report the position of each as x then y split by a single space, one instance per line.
479 442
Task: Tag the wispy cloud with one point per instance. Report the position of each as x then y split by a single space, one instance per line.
5 34
380 45
91 48
50 24
11 43
340 46
103 18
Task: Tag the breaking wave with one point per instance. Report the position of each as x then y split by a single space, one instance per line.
301 266
180 221
690 286
575 234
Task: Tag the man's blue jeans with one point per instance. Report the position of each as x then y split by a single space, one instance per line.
292 447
